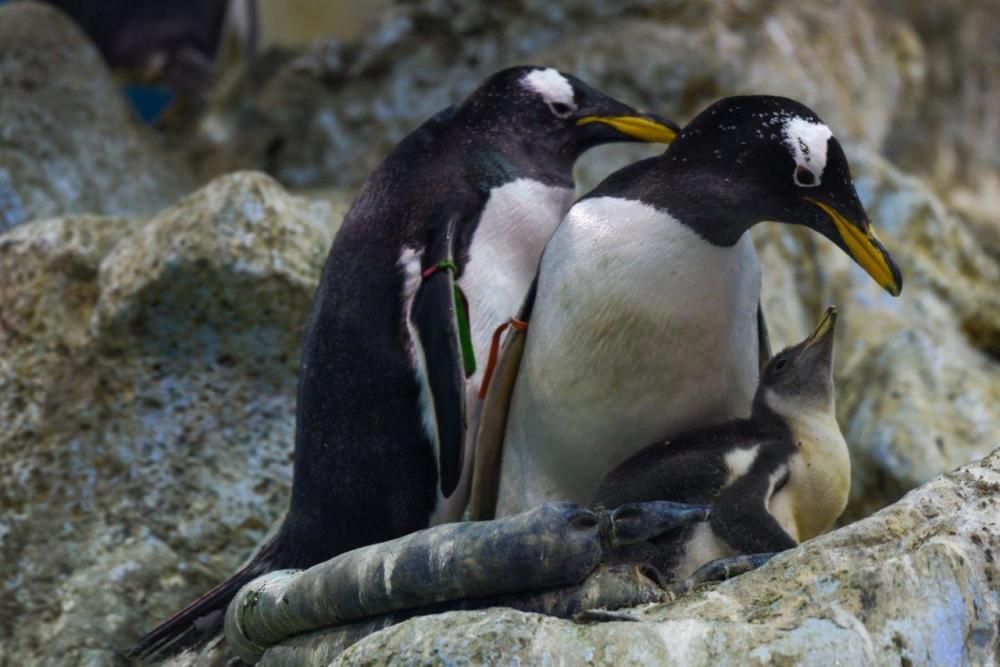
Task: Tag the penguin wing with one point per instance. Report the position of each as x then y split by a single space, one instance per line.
763 339
493 419
740 515
437 309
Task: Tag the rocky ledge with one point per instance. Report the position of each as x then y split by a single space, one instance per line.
916 583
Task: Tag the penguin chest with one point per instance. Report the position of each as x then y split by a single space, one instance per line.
819 478
517 221
641 329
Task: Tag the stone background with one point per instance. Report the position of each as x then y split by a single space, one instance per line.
152 291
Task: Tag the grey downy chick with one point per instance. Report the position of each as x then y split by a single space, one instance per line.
773 480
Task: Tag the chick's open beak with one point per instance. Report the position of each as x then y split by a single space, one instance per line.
865 249
645 127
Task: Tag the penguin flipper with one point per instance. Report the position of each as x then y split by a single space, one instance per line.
435 320
763 339
740 514
493 421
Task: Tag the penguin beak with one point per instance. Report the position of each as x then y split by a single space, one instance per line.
643 127
824 330
861 243
816 352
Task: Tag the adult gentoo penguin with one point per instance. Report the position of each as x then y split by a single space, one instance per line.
470 197
777 478
644 316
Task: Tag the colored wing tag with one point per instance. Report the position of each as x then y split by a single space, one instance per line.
440 318
461 315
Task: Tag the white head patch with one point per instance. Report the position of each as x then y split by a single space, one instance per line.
807 141
552 86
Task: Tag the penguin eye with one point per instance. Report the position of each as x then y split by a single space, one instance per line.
805 178
560 109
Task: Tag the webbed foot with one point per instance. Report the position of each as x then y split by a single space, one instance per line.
640 522
723 569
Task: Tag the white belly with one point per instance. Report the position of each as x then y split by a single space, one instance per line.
819 474
640 329
517 221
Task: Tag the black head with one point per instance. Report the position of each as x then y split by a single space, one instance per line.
800 378
542 110
758 157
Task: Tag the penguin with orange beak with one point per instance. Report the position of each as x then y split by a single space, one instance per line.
439 248
644 320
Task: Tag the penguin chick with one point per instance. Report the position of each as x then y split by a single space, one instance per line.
776 479
438 249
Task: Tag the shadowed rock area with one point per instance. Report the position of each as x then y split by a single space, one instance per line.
68 141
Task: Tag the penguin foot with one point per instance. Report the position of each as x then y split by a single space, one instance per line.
640 522
723 569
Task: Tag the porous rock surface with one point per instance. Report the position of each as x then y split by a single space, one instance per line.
68 141
147 385
917 583
915 81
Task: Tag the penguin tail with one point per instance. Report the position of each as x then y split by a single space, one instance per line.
198 623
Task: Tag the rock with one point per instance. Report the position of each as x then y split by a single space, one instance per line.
49 282
936 410
330 115
914 584
147 388
241 236
68 141
952 135
919 84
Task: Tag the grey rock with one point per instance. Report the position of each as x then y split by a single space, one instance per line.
914 584
68 141
952 136
147 384
936 410
893 75
331 114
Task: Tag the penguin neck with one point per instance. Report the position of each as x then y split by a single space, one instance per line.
498 154
767 417
773 410
713 208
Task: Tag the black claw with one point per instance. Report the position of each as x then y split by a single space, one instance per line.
638 522
727 568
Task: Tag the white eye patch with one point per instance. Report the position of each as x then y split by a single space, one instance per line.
807 141
553 87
